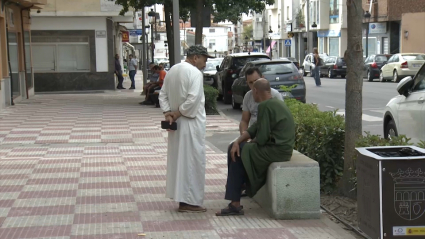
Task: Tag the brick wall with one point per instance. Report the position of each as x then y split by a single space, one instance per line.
379 10
397 7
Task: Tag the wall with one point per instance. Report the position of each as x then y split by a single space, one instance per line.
415 41
80 8
397 7
78 23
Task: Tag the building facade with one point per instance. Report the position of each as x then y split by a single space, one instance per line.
16 78
74 43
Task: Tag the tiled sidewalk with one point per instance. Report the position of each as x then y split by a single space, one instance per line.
93 166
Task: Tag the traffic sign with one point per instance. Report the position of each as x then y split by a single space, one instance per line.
287 42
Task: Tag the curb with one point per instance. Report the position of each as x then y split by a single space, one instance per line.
227 117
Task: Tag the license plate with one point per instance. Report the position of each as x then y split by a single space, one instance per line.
417 65
344 66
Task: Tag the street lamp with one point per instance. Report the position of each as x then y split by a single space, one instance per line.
314 25
147 28
166 49
367 16
215 53
271 48
152 16
246 43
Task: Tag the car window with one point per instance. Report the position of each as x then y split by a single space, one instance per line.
241 61
242 72
341 61
391 59
331 60
396 58
381 58
420 80
277 68
413 57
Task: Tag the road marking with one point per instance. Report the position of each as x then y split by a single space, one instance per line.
365 117
330 107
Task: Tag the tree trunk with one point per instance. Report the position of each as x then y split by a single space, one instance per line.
168 9
199 22
353 91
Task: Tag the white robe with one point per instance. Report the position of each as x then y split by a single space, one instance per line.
183 91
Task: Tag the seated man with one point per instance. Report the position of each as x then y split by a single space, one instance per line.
152 79
274 134
155 86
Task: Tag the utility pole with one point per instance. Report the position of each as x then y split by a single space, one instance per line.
144 55
264 31
307 27
176 31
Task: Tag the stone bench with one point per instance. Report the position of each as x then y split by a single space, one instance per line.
292 190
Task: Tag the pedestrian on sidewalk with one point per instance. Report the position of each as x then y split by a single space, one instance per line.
274 137
182 100
133 70
118 72
317 63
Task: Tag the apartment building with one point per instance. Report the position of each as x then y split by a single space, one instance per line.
74 42
16 79
394 26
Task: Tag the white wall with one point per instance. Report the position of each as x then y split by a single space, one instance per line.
78 23
220 36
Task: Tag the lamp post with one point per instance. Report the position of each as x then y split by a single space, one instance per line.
166 49
147 29
246 43
270 37
367 16
152 16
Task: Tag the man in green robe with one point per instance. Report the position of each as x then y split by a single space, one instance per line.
274 136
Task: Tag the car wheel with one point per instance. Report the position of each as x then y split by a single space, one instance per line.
235 105
342 76
304 73
330 75
369 76
381 77
395 76
390 130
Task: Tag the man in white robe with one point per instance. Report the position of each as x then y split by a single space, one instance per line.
182 100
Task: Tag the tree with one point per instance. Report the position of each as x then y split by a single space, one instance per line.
353 91
248 31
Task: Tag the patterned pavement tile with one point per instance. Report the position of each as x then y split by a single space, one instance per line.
94 167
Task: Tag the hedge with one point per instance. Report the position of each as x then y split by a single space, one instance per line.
211 95
320 136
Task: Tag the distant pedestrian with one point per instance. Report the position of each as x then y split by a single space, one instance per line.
316 71
133 70
182 100
118 72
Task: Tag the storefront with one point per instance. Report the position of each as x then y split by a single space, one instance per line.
329 42
383 38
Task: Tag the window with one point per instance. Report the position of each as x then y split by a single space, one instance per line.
371 46
212 30
420 80
61 54
391 59
211 43
287 13
334 11
314 9
277 68
333 46
381 58
413 57
241 61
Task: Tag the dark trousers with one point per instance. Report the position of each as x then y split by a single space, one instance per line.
236 176
132 74
120 80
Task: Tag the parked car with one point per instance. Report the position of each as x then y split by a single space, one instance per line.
334 66
308 62
295 61
229 69
210 71
405 113
373 64
278 72
401 65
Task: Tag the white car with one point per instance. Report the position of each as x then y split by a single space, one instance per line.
405 113
401 65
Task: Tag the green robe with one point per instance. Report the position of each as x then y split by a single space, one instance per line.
274 134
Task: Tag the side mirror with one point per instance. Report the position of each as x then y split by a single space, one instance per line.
404 85
217 68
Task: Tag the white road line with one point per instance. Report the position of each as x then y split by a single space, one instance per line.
365 117
330 107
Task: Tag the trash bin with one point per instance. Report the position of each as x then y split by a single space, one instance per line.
391 192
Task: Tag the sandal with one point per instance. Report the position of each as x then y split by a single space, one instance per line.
231 211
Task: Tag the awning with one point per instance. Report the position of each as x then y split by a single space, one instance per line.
126 44
268 49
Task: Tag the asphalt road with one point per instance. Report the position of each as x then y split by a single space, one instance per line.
331 96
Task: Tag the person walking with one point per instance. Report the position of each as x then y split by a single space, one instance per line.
316 71
133 70
118 72
182 100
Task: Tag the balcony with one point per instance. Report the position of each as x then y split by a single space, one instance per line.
271 7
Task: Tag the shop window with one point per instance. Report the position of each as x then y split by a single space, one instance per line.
333 46
371 46
61 54
334 11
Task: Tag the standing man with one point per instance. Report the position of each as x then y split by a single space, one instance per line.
133 69
249 106
118 72
182 100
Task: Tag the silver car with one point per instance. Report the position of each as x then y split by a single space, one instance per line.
308 62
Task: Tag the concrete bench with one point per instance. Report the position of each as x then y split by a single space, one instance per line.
292 190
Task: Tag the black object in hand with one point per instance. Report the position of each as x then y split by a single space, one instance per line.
167 125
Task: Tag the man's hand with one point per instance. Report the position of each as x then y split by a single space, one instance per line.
174 115
235 151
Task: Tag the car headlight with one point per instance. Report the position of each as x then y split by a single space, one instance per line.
286 94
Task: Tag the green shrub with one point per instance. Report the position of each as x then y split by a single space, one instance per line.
320 136
211 95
